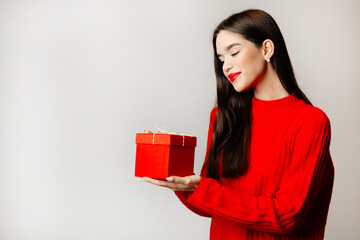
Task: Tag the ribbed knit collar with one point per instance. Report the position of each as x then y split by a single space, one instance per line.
285 102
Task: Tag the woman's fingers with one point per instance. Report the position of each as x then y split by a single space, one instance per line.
160 183
175 183
170 179
153 181
188 180
173 186
179 180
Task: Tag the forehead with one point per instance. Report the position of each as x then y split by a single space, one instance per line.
225 38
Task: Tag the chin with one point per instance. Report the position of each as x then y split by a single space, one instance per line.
240 88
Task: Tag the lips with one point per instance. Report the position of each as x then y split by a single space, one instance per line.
233 76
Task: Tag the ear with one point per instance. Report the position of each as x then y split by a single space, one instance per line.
268 48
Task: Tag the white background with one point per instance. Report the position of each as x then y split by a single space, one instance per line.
78 80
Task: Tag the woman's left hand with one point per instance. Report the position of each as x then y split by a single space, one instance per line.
175 183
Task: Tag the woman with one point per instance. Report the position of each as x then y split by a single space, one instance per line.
268 173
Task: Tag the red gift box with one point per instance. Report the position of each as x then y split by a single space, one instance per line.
161 155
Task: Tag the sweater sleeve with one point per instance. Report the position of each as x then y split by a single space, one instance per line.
283 212
183 196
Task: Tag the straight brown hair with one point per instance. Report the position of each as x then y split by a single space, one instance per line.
232 131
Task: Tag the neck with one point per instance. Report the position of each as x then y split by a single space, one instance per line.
269 87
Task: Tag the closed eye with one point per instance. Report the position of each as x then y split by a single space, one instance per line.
235 53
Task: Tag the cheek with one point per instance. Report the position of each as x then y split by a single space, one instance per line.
255 65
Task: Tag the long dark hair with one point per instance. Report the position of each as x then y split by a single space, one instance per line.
232 130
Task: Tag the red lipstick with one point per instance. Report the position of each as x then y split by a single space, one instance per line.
233 76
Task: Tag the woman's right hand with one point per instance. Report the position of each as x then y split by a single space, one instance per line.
175 183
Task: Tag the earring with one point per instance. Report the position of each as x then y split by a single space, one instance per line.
268 59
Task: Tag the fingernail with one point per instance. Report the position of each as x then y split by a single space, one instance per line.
140 179
169 179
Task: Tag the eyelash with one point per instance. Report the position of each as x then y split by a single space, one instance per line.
231 55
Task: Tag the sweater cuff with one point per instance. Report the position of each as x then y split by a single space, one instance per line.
183 197
198 197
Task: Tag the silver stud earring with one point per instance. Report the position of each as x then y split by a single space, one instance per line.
268 59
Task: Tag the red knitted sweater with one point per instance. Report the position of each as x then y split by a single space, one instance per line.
286 191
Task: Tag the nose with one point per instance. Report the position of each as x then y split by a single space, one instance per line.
227 65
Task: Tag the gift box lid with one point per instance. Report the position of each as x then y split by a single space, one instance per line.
166 139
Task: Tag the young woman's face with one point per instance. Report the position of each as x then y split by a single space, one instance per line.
243 63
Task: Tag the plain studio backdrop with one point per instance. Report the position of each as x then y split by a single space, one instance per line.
78 80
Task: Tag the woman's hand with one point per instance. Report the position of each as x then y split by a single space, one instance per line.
188 183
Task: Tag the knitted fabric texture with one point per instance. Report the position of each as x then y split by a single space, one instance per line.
286 190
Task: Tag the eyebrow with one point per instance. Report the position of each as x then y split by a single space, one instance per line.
229 47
